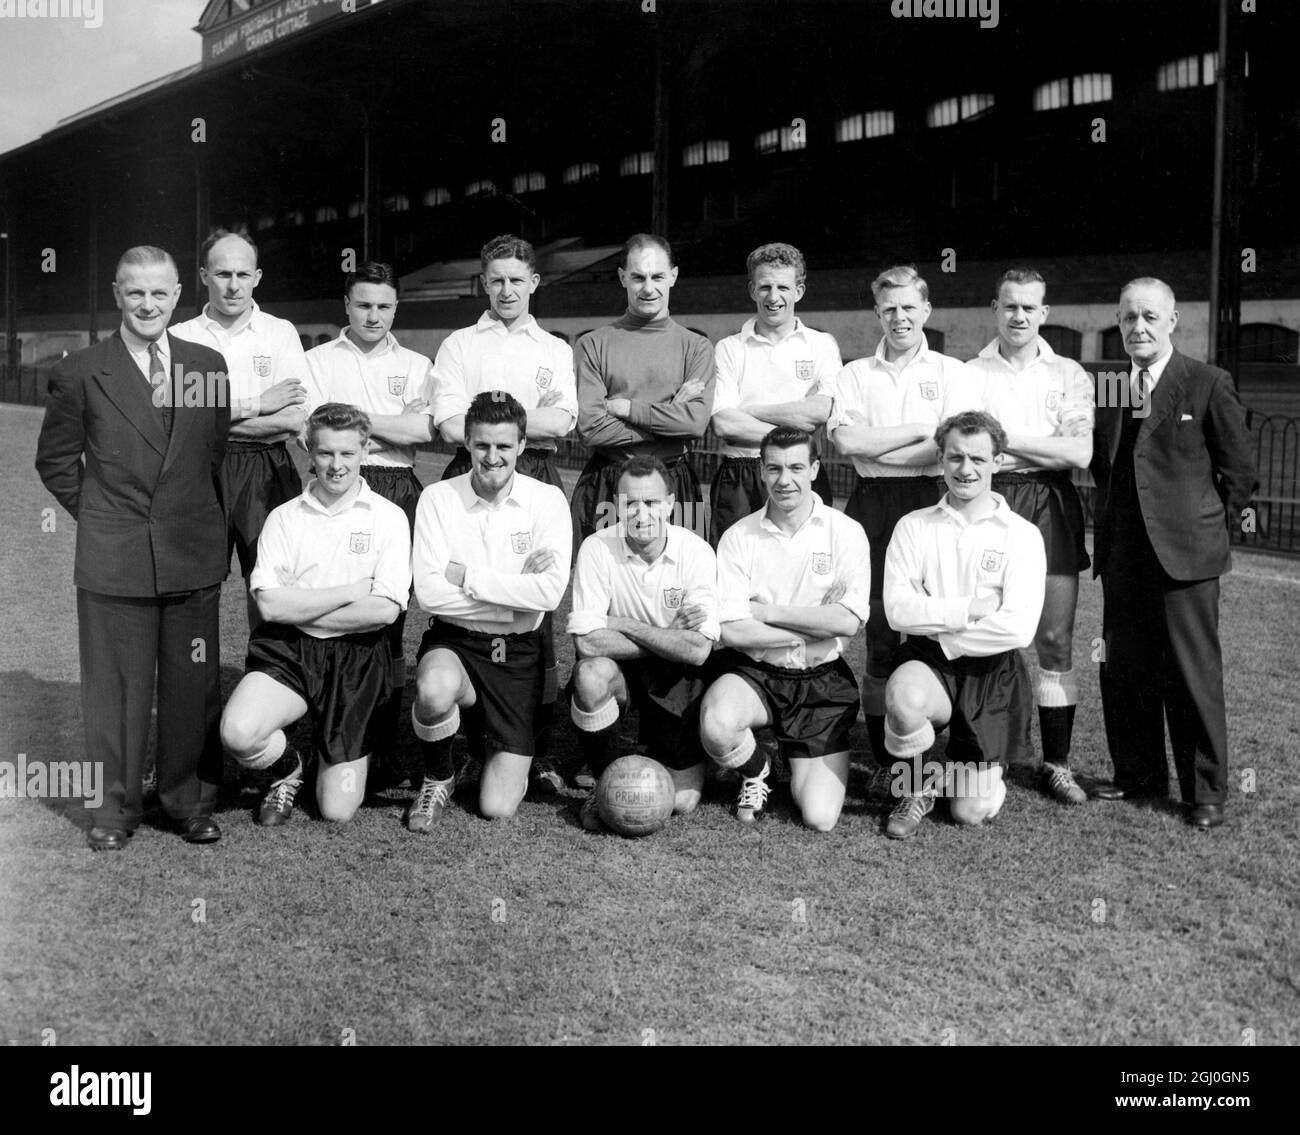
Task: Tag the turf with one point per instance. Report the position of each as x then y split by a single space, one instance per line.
1105 924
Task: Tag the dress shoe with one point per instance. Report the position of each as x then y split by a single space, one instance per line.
107 839
1102 790
199 829
1206 816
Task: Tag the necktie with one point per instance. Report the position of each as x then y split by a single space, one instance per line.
1141 388
158 380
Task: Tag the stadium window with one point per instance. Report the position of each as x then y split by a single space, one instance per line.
435 197
779 138
484 187
1079 91
581 171
633 164
1063 340
947 112
295 218
706 153
1112 344
264 223
768 141
530 182
357 209
872 124
1052 96
1191 71
325 214
397 203
1268 343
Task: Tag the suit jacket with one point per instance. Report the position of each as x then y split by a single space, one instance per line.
148 509
1194 467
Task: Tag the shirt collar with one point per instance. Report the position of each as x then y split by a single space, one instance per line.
1155 370
817 516
918 357
526 326
750 331
365 498
465 487
252 321
671 547
138 346
390 344
1001 511
1045 352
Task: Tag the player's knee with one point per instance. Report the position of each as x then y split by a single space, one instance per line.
906 704
338 809
436 693
591 680
239 737
1053 646
495 804
686 801
984 805
719 725
820 815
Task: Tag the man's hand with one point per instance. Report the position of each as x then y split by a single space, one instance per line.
1074 423
290 392
688 390
285 578
550 398
455 573
690 617
982 606
539 560
619 407
837 592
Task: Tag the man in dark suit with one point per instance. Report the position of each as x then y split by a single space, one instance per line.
134 433
1174 472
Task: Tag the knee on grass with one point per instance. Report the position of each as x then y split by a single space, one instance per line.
973 810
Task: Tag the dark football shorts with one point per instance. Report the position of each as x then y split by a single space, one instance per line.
666 696
738 489
595 503
879 503
508 675
540 464
1048 499
341 679
256 477
992 701
397 484
812 711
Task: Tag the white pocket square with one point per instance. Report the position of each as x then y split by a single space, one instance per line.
1185 418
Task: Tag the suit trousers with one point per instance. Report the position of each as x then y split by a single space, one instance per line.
126 642
1163 662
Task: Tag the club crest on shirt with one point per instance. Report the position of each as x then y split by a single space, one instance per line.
930 391
821 563
1053 399
262 366
396 384
544 376
991 560
803 369
673 597
359 543
520 542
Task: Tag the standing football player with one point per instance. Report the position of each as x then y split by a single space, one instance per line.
964 581
794 582
644 621
1045 403
268 394
333 574
887 407
491 557
775 372
367 367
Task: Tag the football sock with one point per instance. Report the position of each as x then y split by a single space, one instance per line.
436 742
1056 694
876 735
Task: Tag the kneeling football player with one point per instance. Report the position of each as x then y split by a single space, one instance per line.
491 557
794 581
964 581
644 620
333 572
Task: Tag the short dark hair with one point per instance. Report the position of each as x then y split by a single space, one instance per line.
642 465
495 408
372 272
647 240
337 416
1021 276
144 256
787 437
972 422
507 246
220 234
779 256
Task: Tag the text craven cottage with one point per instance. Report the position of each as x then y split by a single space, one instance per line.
986 10
89 12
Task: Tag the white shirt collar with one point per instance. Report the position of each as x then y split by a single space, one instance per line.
472 500
365 498
390 344
918 357
1045 352
670 551
1001 511
525 326
817 516
750 331
139 348
1155 370
251 321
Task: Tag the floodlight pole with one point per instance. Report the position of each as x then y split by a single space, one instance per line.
662 158
1225 230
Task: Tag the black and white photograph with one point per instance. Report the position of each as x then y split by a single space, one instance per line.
649 523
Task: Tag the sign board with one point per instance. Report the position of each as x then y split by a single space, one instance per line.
270 23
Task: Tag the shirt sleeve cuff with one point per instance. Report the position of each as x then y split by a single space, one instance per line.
584 622
956 614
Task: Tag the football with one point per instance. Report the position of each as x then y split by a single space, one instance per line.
635 796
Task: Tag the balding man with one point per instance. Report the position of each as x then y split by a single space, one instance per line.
133 437
268 393
1174 473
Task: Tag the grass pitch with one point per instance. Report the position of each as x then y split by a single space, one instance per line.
1105 924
